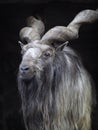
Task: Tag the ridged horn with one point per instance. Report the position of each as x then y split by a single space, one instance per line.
34 30
63 34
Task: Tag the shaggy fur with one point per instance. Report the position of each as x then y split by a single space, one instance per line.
56 90
59 97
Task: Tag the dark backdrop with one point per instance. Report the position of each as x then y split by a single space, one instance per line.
12 19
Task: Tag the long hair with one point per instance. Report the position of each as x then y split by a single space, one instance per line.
58 98
56 90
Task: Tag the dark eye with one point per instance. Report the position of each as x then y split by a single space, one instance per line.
47 53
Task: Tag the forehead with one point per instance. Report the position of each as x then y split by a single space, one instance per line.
34 49
36 44
33 52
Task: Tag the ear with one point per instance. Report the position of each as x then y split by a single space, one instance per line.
61 46
21 44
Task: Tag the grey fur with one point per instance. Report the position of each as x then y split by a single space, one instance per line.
59 97
55 88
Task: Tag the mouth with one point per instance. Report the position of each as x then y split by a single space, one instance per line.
26 76
29 74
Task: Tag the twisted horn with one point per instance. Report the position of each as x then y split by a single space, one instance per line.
62 34
34 30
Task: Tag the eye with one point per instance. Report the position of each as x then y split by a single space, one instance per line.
48 53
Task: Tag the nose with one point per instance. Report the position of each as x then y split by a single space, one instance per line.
24 68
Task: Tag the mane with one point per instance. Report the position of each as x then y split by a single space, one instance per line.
57 94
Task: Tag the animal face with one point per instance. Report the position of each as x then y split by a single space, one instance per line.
35 57
38 52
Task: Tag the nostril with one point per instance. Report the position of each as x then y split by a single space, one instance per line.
24 68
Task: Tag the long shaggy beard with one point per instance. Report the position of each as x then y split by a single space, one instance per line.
59 98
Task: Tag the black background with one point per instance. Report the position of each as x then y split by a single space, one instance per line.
12 18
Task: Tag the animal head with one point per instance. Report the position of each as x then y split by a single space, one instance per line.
35 58
40 49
